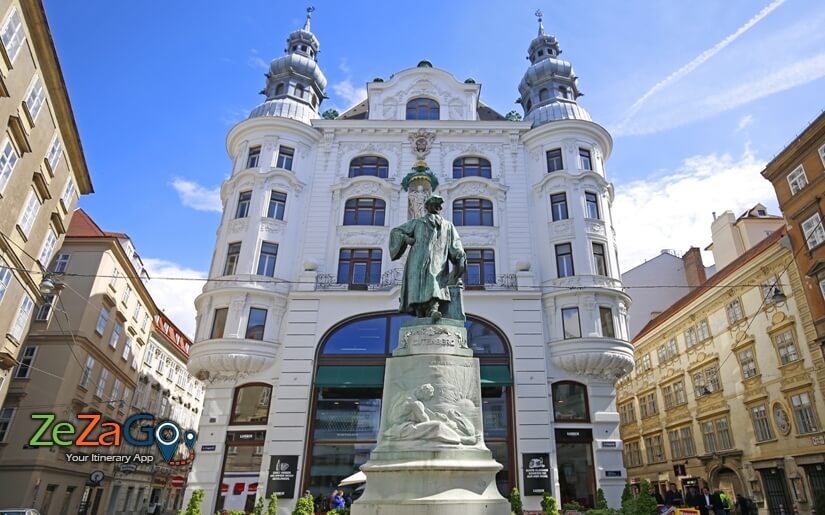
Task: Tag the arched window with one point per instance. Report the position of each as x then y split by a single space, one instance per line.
299 91
279 89
529 104
562 92
364 211
471 167
422 109
374 166
544 94
570 402
349 378
251 404
473 211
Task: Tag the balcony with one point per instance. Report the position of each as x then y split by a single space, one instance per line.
603 358
393 278
231 356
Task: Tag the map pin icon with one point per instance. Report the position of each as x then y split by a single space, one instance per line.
167 446
189 438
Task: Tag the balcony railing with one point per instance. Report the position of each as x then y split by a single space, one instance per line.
393 277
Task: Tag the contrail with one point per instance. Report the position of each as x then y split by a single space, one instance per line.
697 61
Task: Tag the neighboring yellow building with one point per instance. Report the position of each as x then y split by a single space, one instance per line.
725 384
42 170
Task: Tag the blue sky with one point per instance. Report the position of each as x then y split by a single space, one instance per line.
698 96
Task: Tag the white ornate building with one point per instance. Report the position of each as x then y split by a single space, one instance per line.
293 335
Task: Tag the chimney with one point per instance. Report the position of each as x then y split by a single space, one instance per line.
694 268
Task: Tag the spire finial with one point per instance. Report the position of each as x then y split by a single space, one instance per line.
540 15
310 10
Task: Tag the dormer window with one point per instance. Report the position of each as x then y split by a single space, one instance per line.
562 92
423 109
541 53
299 91
279 90
544 94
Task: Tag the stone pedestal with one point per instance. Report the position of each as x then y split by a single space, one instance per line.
431 458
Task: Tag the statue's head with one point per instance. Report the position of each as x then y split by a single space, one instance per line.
433 204
425 392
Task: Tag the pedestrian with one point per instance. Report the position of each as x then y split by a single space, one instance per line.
673 497
727 502
339 500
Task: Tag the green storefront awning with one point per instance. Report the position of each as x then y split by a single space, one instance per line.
343 376
496 375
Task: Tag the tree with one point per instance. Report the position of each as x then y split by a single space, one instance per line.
194 506
548 504
627 493
601 501
259 506
642 504
272 509
515 502
304 506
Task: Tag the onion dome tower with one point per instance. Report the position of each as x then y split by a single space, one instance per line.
295 83
549 88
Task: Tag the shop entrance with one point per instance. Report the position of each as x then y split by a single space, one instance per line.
574 456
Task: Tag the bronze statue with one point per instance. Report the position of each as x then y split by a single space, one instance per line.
428 278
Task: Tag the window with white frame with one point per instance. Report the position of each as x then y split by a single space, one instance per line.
571 325
6 417
767 287
702 330
244 200
86 376
655 449
48 247
115 395
127 394
22 318
24 364
644 363
27 217
734 311
716 435
667 351
585 161
706 381
747 362
145 322
285 157
113 279
35 98
54 153
606 320
253 158
786 346
674 394
13 35
797 179
136 312
813 231
761 425
135 360
8 159
149 355
116 332
690 337
5 278
681 443
45 309
647 405
803 412
101 383
102 320
68 193
127 347
126 295
61 263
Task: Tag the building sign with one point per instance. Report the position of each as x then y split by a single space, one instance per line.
612 473
206 448
281 479
609 444
536 473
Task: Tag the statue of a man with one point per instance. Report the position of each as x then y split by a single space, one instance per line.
434 245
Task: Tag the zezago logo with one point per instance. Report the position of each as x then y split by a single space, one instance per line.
167 434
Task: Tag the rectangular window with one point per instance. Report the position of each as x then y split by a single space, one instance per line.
786 346
145 322
679 396
55 151
29 213
127 394
599 259
8 159
703 330
25 363
647 405
359 266
591 201
6 417
655 450
5 278
35 98
706 381
86 377
761 426
115 395
12 35
277 205
747 361
254 157
285 156
803 412
61 263
667 395
606 319
48 247
633 454
68 193
481 267
645 363
667 351
116 332
102 320
690 337
149 355
45 309
813 231
797 180
570 323
218 324
233 253
734 311
627 413
22 318
244 199
709 436
266 261
127 348
554 161
768 286
564 260
101 383
558 206
256 323
113 279
136 312
585 162
723 433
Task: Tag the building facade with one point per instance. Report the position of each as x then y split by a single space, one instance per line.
724 391
83 356
42 170
301 313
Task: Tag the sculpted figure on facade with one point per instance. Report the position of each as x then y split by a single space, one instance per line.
415 419
428 275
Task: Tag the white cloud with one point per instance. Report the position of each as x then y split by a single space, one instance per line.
694 64
348 92
675 210
255 61
197 197
175 297
744 122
